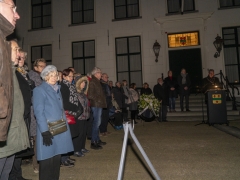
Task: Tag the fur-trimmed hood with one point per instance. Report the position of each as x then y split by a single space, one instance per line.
79 80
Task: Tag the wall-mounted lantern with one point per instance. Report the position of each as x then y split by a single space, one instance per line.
218 45
156 50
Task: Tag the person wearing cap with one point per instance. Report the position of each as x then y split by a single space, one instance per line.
48 106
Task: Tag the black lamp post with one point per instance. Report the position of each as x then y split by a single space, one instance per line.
218 45
156 49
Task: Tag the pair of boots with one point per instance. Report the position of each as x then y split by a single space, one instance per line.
97 144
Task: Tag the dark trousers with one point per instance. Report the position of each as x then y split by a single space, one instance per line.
104 120
89 125
118 119
49 169
34 158
16 169
6 166
80 140
163 113
133 114
186 95
125 114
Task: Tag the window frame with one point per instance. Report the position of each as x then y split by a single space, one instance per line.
83 22
128 55
228 7
184 11
47 60
41 5
84 57
126 5
236 46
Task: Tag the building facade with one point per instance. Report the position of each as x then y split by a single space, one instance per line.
118 36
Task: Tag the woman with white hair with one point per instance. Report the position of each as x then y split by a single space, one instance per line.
48 107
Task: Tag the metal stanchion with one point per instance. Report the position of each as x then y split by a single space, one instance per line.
128 128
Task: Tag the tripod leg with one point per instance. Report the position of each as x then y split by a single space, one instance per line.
124 147
144 154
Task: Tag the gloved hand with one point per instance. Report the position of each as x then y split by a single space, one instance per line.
47 138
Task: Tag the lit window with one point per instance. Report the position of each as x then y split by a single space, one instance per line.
183 39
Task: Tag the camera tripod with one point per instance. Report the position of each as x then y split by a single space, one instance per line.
128 128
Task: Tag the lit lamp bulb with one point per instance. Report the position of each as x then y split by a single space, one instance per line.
216 86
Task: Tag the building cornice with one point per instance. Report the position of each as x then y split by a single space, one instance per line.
190 16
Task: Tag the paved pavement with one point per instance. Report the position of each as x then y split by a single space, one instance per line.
177 150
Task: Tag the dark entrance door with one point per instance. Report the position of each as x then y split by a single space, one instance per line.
190 59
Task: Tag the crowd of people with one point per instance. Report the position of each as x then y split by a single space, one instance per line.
47 114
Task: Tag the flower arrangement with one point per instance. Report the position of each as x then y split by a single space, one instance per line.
149 101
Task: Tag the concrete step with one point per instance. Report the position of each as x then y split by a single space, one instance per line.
199 104
198 113
199 108
196 100
197 118
195 105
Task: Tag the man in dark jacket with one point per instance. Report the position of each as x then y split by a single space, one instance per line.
8 18
161 93
210 82
184 88
98 102
105 111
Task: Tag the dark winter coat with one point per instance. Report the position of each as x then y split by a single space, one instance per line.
146 91
70 104
161 93
209 83
17 139
35 76
26 87
6 78
107 93
82 97
171 83
95 94
181 86
119 96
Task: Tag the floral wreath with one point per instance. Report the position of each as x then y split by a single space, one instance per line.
148 102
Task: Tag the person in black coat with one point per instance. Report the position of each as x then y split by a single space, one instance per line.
210 82
160 91
105 111
71 105
26 86
172 84
184 88
145 89
118 95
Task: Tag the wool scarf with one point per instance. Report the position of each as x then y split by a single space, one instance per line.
184 78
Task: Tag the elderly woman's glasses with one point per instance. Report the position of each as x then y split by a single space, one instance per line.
14 8
53 75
